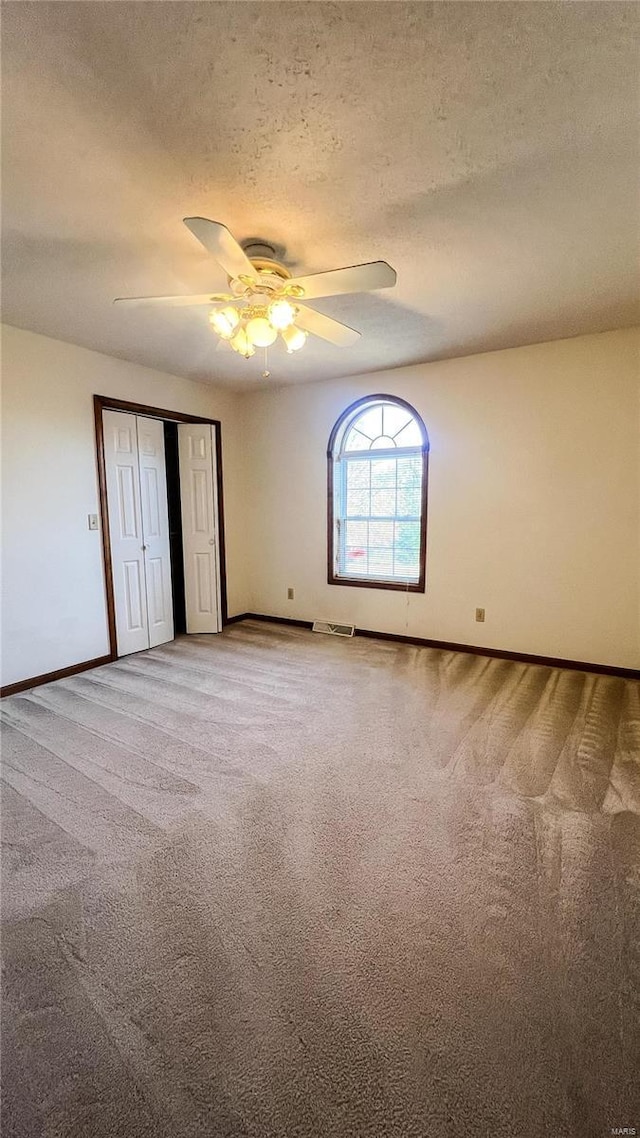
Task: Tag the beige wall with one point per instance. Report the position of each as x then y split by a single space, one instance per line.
533 511
533 500
53 611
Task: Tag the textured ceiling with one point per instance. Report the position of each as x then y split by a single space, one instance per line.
488 151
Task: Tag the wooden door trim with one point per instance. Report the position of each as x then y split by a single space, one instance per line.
106 403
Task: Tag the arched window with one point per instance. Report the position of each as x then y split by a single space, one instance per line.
377 455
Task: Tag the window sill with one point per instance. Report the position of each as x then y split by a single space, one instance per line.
361 583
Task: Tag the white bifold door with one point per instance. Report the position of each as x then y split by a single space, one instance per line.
200 536
139 530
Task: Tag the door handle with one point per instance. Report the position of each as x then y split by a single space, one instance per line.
211 542
144 546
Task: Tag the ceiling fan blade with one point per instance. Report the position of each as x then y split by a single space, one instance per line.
356 278
176 301
326 328
218 241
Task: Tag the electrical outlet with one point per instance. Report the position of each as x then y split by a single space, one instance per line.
480 615
93 521
290 594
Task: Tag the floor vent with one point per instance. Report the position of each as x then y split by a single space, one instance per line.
333 629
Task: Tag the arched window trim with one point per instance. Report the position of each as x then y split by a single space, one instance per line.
343 425
335 451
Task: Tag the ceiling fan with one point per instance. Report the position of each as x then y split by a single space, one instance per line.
264 299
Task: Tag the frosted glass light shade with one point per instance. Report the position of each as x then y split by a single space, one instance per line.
241 343
261 332
281 313
294 338
224 321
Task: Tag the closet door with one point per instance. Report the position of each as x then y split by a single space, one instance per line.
200 539
155 530
125 531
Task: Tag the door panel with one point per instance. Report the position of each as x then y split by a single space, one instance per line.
156 600
125 531
134 613
204 585
127 507
155 529
201 502
150 503
198 488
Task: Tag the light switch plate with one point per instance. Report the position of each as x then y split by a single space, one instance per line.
93 521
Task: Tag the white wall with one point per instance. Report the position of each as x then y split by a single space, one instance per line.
53 612
533 510
533 500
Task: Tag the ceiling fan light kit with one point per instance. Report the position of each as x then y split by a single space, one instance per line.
242 344
262 302
281 313
260 332
255 327
294 338
224 321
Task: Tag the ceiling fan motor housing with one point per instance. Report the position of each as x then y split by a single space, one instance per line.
272 275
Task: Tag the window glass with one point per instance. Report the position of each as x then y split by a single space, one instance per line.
369 423
409 436
377 507
356 440
394 418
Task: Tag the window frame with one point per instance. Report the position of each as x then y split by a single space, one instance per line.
338 433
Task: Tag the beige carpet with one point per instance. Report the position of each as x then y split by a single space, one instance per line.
273 884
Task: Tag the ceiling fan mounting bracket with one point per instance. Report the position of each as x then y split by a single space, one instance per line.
256 247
